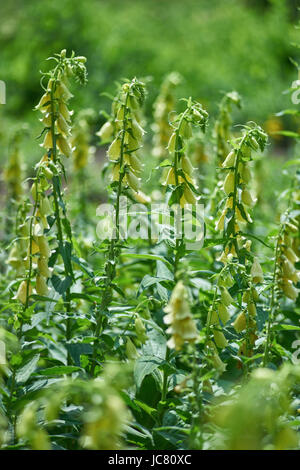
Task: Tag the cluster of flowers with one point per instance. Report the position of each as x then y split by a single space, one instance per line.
180 173
182 326
287 274
125 126
56 118
238 197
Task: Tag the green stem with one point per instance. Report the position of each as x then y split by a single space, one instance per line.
165 378
178 149
67 300
272 304
112 254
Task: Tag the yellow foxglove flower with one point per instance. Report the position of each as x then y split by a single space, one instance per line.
171 144
142 198
131 351
170 179
179 317
223 313
116 172
44 246
186 165
240 322
41 285
220 339
45 206
221 221
114 150
21 294
43 267
140 330
288 270
44 101
62 126
189 195
247 198
291 255
106 131
132 181
256 272
135 163
64 146
226 297
229 160
246 174
137 131
229 183
48 141
64 111
289 290
251 309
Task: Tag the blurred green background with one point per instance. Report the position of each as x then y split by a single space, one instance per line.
216 45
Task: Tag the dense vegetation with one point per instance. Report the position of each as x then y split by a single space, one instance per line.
174 325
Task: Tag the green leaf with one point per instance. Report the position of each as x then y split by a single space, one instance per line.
163 272
61 285
144 366
286 328
25 372
59 370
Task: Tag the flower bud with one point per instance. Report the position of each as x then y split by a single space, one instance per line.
131 351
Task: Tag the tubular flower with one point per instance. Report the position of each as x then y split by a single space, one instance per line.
182 326
163 107
81 139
